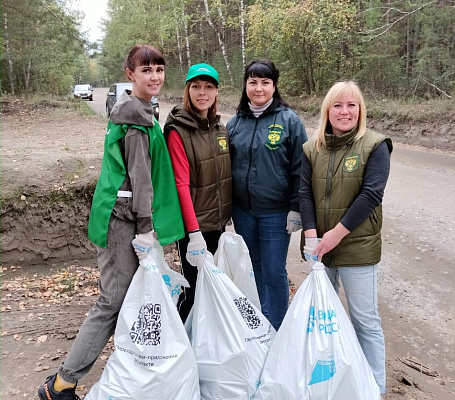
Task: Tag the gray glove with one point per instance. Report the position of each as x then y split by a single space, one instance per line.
196 250
294 223
310 245
143 244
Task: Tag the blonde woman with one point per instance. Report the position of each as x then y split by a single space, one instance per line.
344 173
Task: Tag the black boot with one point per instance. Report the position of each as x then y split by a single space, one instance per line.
47 392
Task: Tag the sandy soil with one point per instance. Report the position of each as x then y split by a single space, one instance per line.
51 159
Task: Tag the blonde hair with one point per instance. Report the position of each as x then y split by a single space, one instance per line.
188 105
336 92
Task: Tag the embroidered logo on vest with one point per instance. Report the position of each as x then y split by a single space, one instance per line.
222 143
351 163
274 136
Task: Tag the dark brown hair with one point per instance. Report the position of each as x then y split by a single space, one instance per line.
143 54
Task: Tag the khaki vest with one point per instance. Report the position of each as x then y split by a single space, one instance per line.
338 170
208 155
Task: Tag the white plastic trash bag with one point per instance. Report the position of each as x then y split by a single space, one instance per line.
230 337
233 257
173 279
153 358
316 354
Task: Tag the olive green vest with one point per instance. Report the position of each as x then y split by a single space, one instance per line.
207 150
338 170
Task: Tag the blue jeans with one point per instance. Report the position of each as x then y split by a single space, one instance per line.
361 287
268 241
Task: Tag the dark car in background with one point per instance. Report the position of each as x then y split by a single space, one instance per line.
117 89
83 92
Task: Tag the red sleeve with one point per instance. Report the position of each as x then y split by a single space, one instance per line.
181 168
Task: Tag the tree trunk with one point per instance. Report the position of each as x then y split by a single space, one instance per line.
28 69
177 36
219 35
452 43
179 47
310 71
415 46
187 38
242 33
408 49
8 55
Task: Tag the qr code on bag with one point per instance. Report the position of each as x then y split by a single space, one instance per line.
147 329
248 313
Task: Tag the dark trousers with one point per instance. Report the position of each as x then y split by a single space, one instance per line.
186 299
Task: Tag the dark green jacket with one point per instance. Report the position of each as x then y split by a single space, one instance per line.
207 149
338 170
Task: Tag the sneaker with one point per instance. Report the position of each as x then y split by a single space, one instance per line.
47 392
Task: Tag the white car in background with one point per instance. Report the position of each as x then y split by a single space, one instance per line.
83 92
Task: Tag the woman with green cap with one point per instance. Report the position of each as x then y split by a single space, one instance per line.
198 145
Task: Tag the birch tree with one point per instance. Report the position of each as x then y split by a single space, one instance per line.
220 34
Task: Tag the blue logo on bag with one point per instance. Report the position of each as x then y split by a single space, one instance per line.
323 370
311 320
175 291
167 280
326 321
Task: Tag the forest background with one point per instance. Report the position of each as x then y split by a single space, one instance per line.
396 50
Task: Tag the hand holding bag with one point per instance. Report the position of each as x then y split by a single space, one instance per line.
230 337
316 354
153 358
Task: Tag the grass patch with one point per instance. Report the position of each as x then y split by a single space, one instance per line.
413 111
40 103
82 107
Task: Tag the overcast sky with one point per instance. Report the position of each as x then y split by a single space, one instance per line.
94 10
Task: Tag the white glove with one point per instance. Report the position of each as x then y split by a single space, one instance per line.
294 222
310 245
196 250
143 244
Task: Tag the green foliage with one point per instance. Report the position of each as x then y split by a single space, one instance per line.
309 40
406 49
41 43
395 49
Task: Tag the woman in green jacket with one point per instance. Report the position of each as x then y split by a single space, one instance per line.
344 173
135 196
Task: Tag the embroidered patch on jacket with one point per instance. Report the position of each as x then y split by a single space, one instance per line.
222 143
351 163
274 136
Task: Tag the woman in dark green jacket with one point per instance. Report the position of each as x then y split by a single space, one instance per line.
344 173
199 150
266 139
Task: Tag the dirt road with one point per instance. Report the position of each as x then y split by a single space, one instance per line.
42 310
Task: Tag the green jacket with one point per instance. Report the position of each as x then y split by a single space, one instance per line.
338 170
207 149
167 217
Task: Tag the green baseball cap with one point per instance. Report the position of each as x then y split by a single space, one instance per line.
202 70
